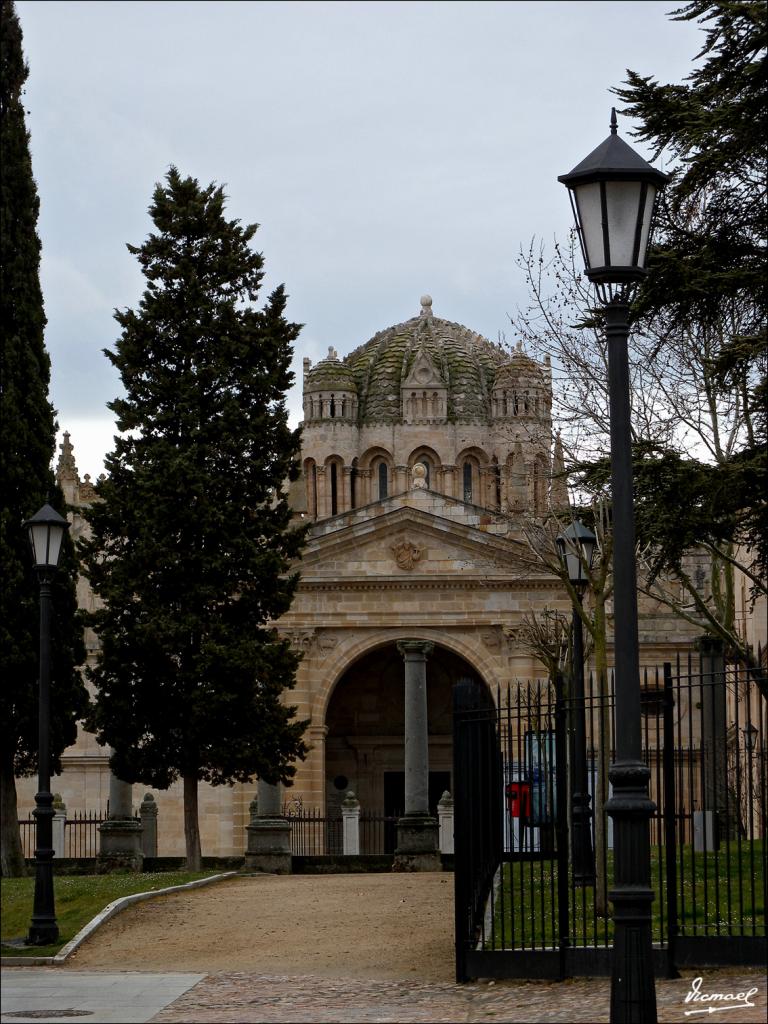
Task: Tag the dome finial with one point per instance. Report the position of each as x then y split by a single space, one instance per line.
614 122
426 305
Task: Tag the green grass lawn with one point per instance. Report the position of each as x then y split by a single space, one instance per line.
78 898
722 893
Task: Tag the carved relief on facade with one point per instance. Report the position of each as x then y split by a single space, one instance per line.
492 638
407 554
311 643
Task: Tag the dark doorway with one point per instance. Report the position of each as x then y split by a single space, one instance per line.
394 791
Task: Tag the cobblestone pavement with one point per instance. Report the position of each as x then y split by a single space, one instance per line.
254 998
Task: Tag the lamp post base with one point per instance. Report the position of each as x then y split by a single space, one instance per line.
633 990
43 929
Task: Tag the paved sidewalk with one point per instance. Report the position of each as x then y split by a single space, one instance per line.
253 998
51 994
243 997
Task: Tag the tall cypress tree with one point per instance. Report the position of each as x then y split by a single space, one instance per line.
27 440
192 541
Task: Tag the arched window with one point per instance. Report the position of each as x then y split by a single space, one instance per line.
428 467
383 477
332 406
467 474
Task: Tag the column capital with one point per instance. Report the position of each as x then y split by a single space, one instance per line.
414 648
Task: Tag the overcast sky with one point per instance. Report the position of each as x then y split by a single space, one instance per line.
385 149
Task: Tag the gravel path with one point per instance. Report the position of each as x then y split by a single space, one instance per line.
378 926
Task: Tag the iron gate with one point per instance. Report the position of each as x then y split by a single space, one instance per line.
522 911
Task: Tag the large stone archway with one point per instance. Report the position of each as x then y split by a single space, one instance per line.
365 724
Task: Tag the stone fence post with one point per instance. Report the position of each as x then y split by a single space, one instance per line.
350 819
445 818
59 824
148 815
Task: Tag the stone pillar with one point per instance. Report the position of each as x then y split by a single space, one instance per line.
401 482
449 481
350 817
322 500
364 481
505 503
120 845
269 834
445 818
58 824
416 830
148 815
346 493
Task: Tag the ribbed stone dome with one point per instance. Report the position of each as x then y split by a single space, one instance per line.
466 362
520 368
330 372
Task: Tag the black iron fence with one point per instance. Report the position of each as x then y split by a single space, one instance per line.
81 835
378 832
315 833
522 909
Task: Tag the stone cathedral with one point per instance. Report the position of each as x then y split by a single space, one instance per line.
422 449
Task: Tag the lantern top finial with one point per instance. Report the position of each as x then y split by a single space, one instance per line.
614 122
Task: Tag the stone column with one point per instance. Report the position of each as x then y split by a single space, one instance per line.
449 481
323 501
401 482
269 834
120 835
505 502
350 818
416 830
364 480
346 493
148 815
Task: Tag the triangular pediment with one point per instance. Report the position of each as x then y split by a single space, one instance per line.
423 372
418 534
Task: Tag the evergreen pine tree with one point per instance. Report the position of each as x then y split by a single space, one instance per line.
707 281
707 273
27 440
192 540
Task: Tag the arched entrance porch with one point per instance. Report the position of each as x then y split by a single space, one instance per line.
365 721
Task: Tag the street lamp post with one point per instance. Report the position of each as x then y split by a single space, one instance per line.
576 547
613 193
46 532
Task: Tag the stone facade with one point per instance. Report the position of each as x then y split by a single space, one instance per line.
421 451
